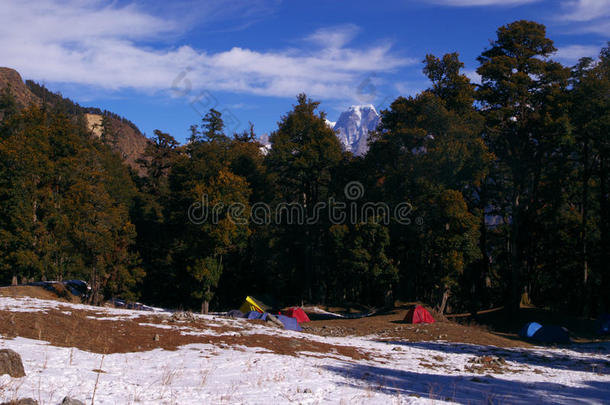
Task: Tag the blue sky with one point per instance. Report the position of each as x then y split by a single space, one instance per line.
163 64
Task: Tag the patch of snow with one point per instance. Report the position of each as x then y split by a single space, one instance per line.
400 372
353 127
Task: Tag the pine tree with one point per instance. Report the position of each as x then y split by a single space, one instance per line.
521 97
304 153
213 127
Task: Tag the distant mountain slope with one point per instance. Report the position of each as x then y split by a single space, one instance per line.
12 79
353 127
120 133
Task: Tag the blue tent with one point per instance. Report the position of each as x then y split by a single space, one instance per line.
288 322
551 334
529 329
256 315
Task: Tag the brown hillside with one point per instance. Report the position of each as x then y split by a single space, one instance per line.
131 144
12 78
126 140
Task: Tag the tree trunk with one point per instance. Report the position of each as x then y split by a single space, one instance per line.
515 255
446 295
205 305
94 298
479 295
605 234
586 293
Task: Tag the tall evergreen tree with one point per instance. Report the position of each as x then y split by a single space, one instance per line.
521 97
65 199
304 153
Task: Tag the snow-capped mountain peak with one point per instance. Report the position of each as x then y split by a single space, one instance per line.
331 124
353 127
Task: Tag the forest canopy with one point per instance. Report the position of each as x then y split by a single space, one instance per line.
502 188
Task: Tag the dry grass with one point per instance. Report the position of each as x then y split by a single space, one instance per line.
88 330
59 293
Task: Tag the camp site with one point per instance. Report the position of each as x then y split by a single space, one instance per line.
304 202
406 353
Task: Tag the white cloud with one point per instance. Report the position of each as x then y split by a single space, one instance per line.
111 46
78 21
572 53
335 37
586 10
412 88
473 76
587 15
473 3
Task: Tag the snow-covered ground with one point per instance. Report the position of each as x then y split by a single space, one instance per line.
397 372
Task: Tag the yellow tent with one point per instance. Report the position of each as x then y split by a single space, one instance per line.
251 304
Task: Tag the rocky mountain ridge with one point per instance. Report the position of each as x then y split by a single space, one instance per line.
353 127
123 136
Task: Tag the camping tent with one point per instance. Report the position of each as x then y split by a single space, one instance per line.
297 313
418 314
529 329
288 322
252 304
551 334
236 313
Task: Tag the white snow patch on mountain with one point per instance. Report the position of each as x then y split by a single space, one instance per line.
354 125
352 128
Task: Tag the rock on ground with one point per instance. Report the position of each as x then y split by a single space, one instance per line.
71 401
22 401
10 363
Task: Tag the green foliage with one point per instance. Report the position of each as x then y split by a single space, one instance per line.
8 104
506 183
304 154
523 95
65 203
203 176
362 270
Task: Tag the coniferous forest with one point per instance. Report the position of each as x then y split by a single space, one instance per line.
504 183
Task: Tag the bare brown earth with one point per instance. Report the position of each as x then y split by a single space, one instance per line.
88 330
60 293
11 78
391 326
130 144
91 330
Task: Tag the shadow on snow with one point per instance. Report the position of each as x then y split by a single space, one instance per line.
532 357
468 389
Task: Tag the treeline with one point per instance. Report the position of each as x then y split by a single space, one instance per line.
69 107
470 196
65 203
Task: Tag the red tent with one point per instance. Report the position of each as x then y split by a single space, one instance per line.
419 314
297 313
